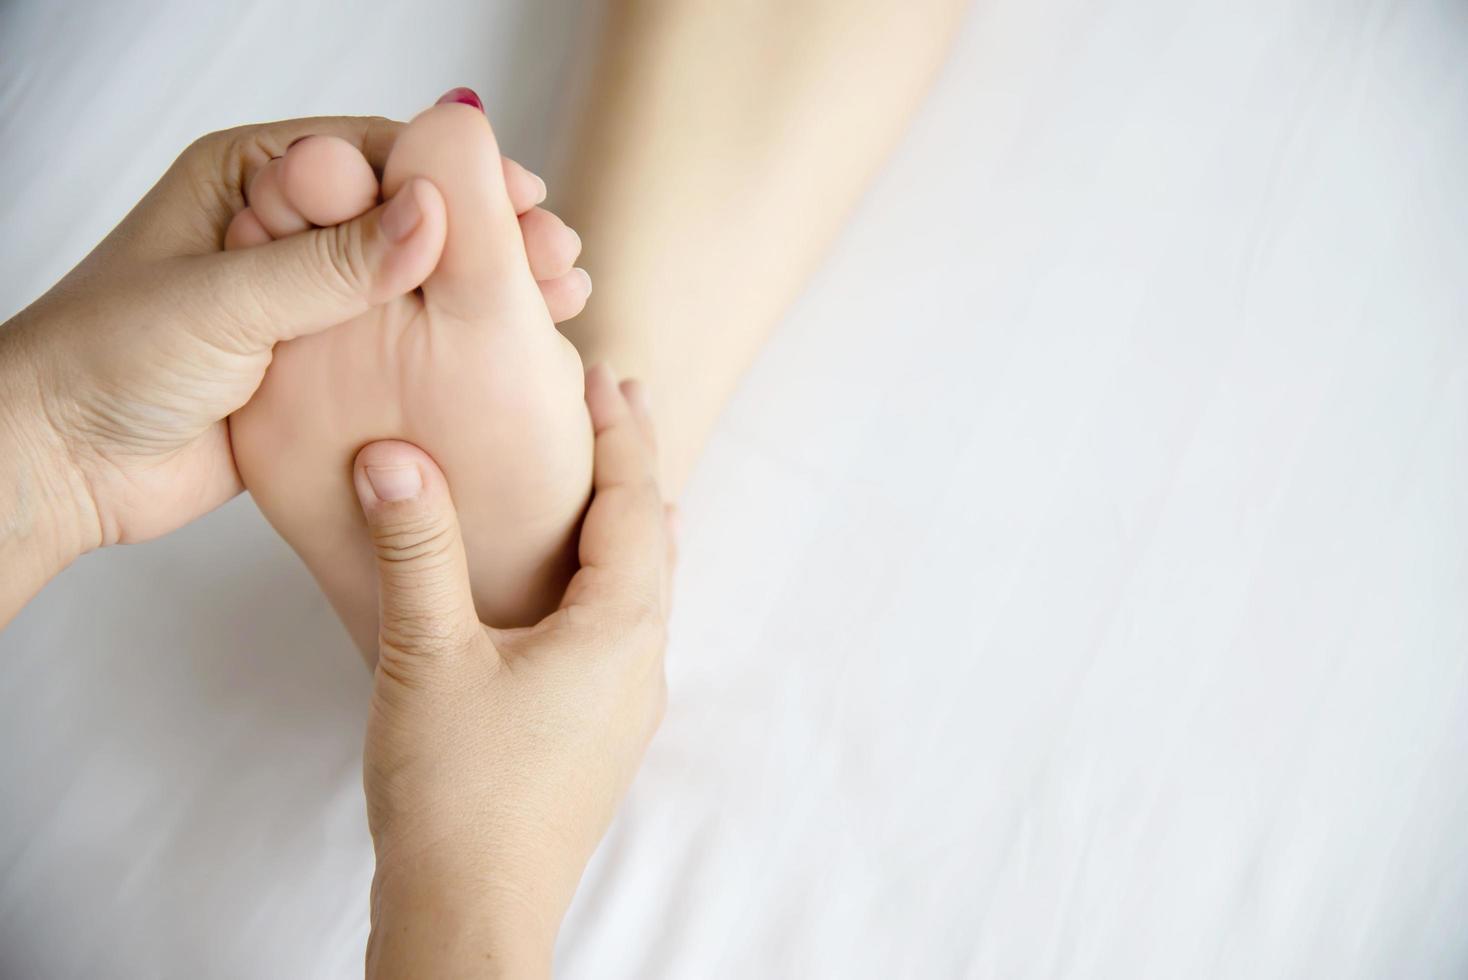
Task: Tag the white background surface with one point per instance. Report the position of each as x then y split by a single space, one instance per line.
1076 588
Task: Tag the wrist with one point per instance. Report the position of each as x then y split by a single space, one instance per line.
47 518
436 918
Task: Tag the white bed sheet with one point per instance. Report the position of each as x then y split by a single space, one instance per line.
1078 586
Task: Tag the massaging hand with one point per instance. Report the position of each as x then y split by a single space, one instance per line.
495 758
136 357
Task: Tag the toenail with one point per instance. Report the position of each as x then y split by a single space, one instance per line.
463 95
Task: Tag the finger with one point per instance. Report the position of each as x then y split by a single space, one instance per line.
640 402
551 246
307 282
622 456
425 606
566 296
623 546
526 188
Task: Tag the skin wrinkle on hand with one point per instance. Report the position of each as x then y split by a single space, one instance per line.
18 522
20 517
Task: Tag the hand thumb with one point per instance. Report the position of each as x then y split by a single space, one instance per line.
307 282
425 606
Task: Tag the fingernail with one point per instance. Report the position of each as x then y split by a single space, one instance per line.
544 191
402 214
585 276
394 482
463 95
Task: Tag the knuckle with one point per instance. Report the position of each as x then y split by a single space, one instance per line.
342 260
212 146
414 628
639 505
627 625
650 497
644 628
223 159
244 324
421 539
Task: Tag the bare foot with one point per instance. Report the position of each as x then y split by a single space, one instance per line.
471 369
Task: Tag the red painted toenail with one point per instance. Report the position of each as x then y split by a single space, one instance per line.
465 95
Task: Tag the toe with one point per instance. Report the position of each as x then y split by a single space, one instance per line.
550 245
526 190
484 266
327 180
245 231
267 199
565 296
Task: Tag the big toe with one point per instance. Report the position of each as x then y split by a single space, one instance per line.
484 266
327 180
321 180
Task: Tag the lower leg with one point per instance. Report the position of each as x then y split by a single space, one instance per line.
723 146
